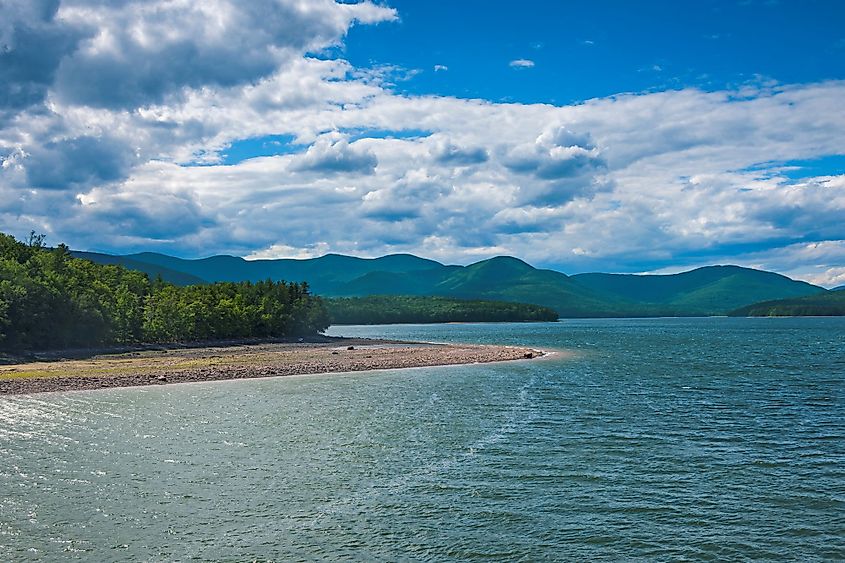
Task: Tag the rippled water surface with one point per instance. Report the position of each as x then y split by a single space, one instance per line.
657 439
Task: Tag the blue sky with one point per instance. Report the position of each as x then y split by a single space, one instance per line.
581 136
584 50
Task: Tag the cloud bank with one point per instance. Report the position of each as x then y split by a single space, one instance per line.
115 116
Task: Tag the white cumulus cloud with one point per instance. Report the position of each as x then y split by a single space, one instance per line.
521 63
630 182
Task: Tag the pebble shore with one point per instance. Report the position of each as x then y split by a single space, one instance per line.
167 366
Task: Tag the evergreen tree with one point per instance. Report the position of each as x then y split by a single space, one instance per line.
48 299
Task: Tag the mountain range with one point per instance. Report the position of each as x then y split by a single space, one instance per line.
711 290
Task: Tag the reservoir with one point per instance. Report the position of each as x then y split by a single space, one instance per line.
709 438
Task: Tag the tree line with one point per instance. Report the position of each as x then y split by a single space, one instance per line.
51 300
827 304
387 309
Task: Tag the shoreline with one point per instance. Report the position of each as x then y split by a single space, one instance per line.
164 366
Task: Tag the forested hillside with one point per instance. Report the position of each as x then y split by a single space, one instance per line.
323 274
49 299
153 271
403 309
708 290
830 304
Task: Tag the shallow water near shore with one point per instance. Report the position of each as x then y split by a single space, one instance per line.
659 439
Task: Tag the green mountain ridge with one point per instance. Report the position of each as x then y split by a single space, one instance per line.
711 290
322 274
510 279
707 290
152 269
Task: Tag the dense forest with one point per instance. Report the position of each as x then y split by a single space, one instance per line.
49 300
829 304
404 309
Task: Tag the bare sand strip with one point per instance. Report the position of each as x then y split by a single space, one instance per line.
180 365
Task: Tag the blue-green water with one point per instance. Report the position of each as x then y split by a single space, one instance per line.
659 439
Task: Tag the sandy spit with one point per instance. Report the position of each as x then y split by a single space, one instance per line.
166 366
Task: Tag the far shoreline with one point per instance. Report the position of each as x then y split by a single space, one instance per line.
160 365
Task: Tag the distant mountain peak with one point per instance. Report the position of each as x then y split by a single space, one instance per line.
504 261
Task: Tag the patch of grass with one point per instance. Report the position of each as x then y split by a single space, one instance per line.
74 371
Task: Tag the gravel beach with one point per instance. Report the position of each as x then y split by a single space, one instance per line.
180 365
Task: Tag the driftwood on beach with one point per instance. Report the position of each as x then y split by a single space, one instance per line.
180 365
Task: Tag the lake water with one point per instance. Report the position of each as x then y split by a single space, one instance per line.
655 439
